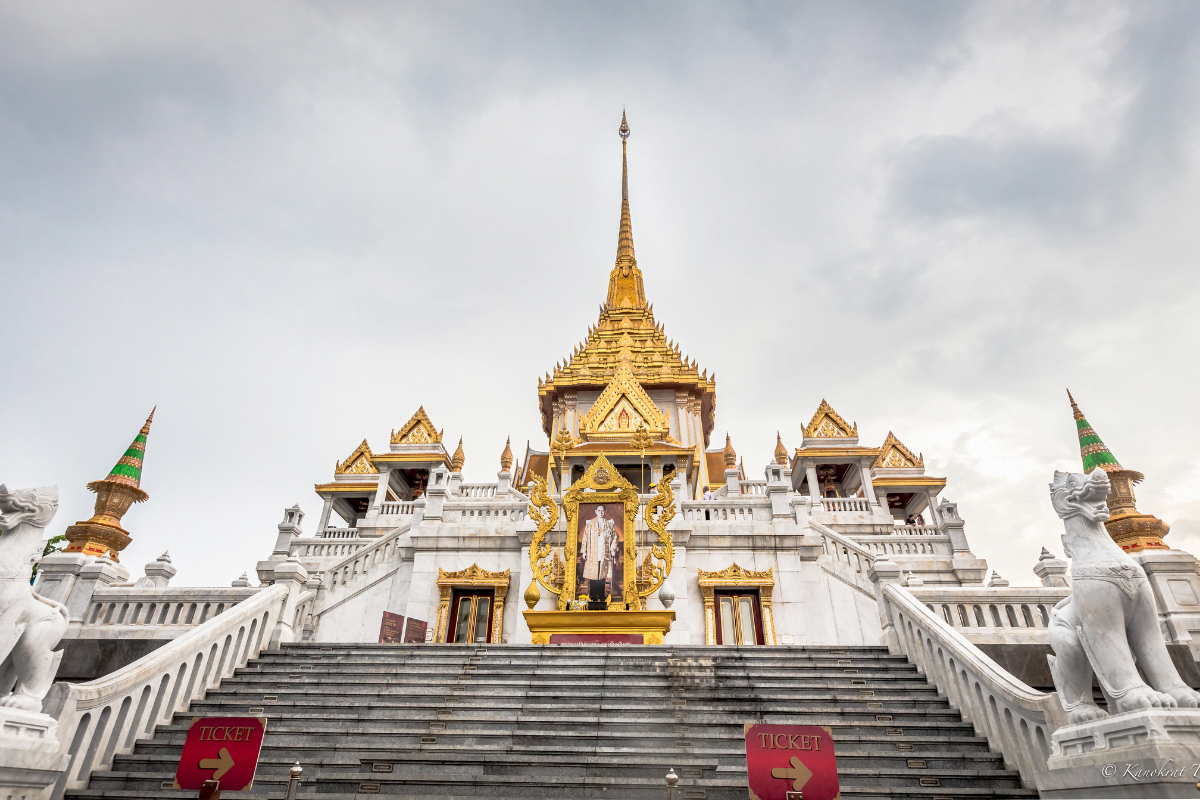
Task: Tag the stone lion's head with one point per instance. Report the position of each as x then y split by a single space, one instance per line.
36 506
1073 493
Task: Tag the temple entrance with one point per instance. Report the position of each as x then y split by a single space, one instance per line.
471 617
739 618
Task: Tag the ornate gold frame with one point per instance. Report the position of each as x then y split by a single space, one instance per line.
472 577
735 577
640 581
600 476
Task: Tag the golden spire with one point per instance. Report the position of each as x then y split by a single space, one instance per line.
781 453
625 282
459 458
730 454
506 457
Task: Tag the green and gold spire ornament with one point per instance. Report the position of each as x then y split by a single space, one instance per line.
102 535
1132 530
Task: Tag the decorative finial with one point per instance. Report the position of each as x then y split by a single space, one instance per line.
458 459
730 454
506 458
781 454
532 594
624 129
1093 451
149 419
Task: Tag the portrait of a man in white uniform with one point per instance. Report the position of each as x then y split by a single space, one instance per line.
601 549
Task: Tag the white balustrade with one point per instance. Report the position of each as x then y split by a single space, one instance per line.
904 545
322 548
1016 719
115 609
832 504
477 490
754 487
339 533
396 509
988 612
365 560
915 530
846 553
105 717
726 510
484 514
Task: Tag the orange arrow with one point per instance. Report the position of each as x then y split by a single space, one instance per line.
798 774
221 765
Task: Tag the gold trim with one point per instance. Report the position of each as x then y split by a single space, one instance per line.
653 625
345 487
472 577
418 430
919 481
544 511
735 576
828 424
357 463
894 455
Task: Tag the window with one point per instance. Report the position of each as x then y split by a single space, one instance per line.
739 618
470 618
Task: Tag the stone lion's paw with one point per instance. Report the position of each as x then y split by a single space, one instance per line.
1185 697
1143 696
21 701
1085 713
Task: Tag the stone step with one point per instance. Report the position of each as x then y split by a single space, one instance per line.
579 722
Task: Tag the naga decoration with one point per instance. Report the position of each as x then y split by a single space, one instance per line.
659 511
544 511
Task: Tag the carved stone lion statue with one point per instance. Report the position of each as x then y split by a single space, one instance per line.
30 625
1109 623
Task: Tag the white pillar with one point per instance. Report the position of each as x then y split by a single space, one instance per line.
325 510
814 492
868 488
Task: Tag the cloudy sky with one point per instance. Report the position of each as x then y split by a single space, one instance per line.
287 225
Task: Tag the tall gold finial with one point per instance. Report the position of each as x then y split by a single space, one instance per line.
625 282
459 458
506 458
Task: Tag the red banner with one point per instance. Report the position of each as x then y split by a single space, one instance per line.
415 632
222 749
783 759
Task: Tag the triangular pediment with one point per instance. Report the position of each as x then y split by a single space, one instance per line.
828 424
418 430
894 455
621 409
357 463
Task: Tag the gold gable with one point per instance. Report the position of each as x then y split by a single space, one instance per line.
828 424
418 430
894 455
622 408
357 463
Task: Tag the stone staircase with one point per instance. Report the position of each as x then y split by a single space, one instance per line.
515 721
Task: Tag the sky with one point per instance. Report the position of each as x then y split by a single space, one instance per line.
288 225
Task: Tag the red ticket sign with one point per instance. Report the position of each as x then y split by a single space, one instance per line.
222 749
795 759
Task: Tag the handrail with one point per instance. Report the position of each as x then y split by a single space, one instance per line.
366 555
847 553
844 541
105 717
1015 718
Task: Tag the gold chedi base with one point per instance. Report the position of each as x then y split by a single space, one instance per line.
582 627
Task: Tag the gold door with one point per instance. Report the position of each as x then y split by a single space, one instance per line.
471 619
739 618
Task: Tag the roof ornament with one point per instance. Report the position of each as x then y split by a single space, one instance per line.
458 459
781 453
506 458
730 454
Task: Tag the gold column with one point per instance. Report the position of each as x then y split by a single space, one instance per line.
710 615
443 617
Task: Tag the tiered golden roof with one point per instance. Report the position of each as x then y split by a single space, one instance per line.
627 337
894 455
418 430
357 463
828 424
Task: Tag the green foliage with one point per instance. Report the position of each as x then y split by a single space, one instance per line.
52 546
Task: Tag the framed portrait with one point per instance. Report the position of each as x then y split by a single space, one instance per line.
600 550
601 547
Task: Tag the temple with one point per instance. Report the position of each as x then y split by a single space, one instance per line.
629 570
